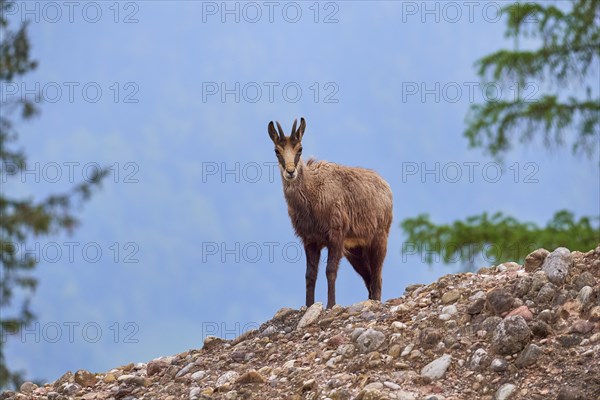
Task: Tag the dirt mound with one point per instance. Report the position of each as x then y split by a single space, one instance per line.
507 332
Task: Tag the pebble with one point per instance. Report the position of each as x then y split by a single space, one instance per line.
370 340
407 350
584 295
528 356
505 391
523 311
437 368
511 335
450 296
451 309
226 378
535 259
194 392
198 375
556 265
28 387
392 385
311 315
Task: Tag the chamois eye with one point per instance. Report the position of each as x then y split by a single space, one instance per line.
300 150
277 152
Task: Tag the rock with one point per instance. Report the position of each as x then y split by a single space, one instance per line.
28 387
490 324
569 340
392 385
85 378
523 311
540 329
450 296
250 376
546 293
269 330
404 395
479 360
67 377
499 301
71 389
476 306
282 313
582 326
584 295
210 342
198 375
557 264
429 338
450 310
498 365
437 368
398 326
521 286
370 394
227 378
538 280
370 340
109 378
584 279
154 367
535 259
311 315
374 385
395 350
133 380
528 356
511 335
194 392
570 393
505 391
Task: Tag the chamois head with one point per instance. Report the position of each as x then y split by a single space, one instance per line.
288 148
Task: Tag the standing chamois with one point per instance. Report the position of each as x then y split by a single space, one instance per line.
348 210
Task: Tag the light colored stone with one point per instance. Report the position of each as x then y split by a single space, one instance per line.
437 368
311 315
557 264
505 391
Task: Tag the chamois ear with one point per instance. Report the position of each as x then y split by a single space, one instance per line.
273 133
301 128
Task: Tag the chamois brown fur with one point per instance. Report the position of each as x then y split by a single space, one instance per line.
346 209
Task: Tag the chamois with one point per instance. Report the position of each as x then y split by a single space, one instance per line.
346 209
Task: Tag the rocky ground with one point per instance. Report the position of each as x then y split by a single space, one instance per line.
507 332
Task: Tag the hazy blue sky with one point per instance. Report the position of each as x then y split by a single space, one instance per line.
192 225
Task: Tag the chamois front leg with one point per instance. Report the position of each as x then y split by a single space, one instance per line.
335 252
313 253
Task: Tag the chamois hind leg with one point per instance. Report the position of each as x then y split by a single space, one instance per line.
357 257
377 252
